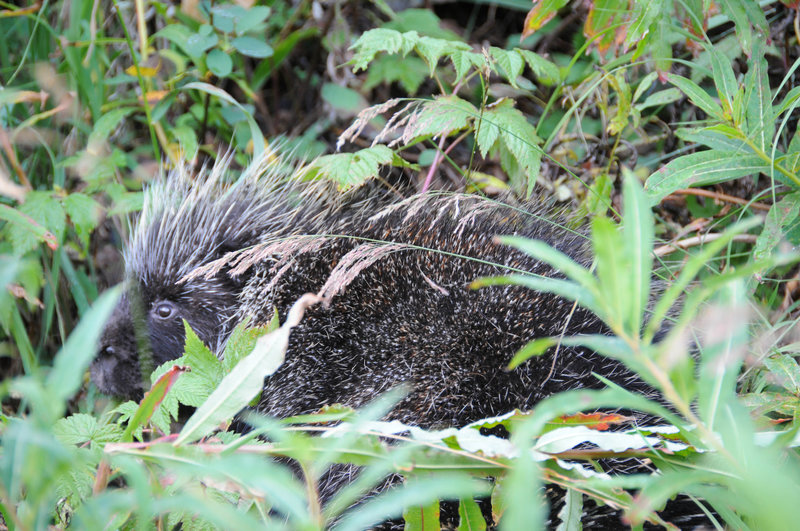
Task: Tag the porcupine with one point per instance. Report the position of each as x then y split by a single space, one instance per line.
396 275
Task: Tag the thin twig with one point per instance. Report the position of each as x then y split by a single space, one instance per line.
699 240
721 197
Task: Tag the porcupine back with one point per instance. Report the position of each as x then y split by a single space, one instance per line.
396 278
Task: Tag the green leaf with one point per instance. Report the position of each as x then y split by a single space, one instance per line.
424 518
510 62
643 16
343 98
470 516
570 514
638 234
781 218
246 379
786 370
518 136
152 399
563 288
706 167
84 212
464 61
198 43
25 232
254 16
431 50
546 70
696 95
726 84
352 169
662 97
45 210
81 428
219 63
758 100
379 40
106 125
612 271
410 72
252 47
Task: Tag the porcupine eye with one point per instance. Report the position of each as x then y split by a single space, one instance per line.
164 310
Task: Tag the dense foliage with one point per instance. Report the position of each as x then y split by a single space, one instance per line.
673 124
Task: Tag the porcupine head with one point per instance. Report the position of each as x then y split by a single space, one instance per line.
184 225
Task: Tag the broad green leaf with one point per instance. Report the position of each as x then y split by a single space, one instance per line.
696 95
219 63
746 15
246 380
24 231
519 137
255 16
569 517
343 98
563 288
80 428
410 72
107 124
706 167
252 47
197 44
84 212
45 210
441 116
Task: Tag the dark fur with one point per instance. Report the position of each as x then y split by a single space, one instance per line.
408 317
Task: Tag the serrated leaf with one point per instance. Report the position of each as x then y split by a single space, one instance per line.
696 95
106 124
84 212
440 116
45 210
410 72
81 428
431 50
379 40
544 69
352 169
706 167
252 47
24 232
464 61
510 62
519 137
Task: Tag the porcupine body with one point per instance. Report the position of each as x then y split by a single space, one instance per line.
396 276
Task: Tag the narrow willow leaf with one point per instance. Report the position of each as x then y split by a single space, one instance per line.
536 347
152 399
696 95
758 99
570 514
781 218
706 167
470 516
638 237
690 270
245 381
725 81
563 288
612 271
555 258
787 371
